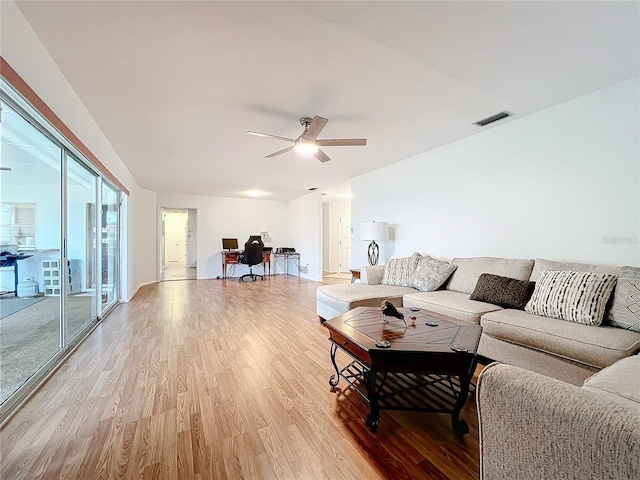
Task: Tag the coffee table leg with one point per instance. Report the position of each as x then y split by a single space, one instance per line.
373 419
335 378
460 427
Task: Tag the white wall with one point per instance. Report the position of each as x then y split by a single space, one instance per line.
139 225
22 49
219 217
563 183
305 218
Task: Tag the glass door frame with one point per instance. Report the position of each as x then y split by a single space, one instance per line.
105 309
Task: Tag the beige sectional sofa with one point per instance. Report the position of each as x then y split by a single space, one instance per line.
568 351
535 427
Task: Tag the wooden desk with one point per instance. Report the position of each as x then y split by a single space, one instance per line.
233 258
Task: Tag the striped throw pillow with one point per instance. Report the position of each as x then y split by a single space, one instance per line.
574 296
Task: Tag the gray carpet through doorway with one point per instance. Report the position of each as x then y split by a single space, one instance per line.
11 305
31 336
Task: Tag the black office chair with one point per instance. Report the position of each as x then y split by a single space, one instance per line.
252 256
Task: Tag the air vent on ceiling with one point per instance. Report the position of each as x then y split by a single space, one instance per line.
492 118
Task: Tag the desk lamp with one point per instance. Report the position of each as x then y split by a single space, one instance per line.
372 231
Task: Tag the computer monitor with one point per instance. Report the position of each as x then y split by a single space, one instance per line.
229 243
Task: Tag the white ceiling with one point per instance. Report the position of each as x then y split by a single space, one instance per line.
174 86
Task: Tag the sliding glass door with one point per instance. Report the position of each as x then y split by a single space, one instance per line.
81 225
30 257
109 242
59 224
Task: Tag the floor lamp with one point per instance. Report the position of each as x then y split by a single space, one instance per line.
374 231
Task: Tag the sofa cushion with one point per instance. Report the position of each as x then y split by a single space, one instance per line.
431 274
625 310
452 304
503 291
621 379
574 296
595 346
465 278
341 298
542 264
398 271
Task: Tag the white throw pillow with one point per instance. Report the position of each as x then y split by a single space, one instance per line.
431 274
625 310
574 296
398 271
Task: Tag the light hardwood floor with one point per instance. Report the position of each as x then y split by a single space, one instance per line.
219 379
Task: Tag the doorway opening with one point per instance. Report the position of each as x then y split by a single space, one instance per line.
336 241
179 244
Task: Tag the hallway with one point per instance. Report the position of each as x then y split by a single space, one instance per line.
176 271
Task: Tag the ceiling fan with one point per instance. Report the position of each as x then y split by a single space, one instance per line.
308 142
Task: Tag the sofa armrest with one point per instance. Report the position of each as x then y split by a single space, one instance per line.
533 427
372 275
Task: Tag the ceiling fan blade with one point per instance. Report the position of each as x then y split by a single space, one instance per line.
342 142
317 124
258 134
280 152
320 155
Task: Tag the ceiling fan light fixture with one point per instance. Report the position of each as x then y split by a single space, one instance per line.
306 147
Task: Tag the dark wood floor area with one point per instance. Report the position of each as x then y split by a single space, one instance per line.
220 379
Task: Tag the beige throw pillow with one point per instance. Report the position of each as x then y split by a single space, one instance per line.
625 310
431 274
398 271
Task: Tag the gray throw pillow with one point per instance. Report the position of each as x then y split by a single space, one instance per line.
503 291
574 296
398 271
625 310
431 274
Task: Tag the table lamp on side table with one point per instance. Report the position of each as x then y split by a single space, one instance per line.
372 231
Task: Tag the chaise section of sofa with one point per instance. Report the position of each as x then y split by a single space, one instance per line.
535 427
331 302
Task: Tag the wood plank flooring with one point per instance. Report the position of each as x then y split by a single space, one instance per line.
213 379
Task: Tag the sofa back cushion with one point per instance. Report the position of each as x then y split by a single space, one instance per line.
542 264
574 296
465 278
398 271
371 274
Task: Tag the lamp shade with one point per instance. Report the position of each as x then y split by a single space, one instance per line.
375 231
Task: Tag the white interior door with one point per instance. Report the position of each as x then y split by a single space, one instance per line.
176 237
345 241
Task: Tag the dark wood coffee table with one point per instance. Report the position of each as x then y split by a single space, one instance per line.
425 368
